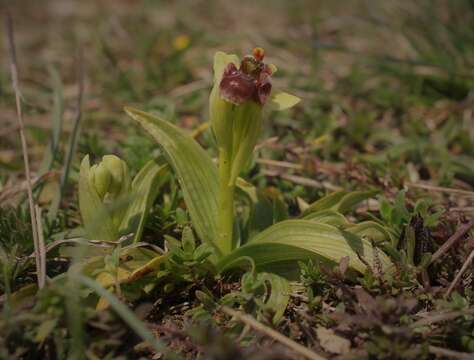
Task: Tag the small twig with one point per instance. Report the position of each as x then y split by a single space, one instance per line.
190 87
449 353
469 209
452 240
266 143
24 147
445 316
300 180
200 129
293 345
441 189
460 273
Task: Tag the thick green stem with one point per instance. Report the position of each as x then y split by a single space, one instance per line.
226 203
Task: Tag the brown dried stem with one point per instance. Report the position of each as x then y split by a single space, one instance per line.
21 128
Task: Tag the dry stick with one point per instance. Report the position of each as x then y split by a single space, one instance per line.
14 75
281 164
250 321
460 273
449 353
452 240
440 317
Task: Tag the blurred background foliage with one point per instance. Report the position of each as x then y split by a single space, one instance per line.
385 85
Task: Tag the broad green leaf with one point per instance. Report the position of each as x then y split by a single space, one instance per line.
145 188
340 201
352 199
287 242
371 231
264 208
194 168
329 217
96 219
325 203
282 101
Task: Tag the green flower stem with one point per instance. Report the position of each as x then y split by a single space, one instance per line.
226 203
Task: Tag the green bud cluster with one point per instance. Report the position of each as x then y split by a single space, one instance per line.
110 178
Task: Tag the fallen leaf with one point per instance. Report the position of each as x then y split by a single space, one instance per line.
331 342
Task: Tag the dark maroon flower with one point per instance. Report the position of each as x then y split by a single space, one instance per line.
250 82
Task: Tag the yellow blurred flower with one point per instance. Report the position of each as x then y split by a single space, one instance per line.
181 42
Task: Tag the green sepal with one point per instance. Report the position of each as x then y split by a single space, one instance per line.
282 101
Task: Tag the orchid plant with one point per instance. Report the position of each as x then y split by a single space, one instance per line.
241 95
112 205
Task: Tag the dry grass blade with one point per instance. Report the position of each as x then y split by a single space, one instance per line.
431 318
77 117
74 136
280 164
254 324
24 147
441 189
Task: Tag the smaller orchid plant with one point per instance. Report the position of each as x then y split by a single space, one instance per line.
110 203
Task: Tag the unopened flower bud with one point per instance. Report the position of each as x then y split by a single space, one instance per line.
110 177
100 178
119 172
